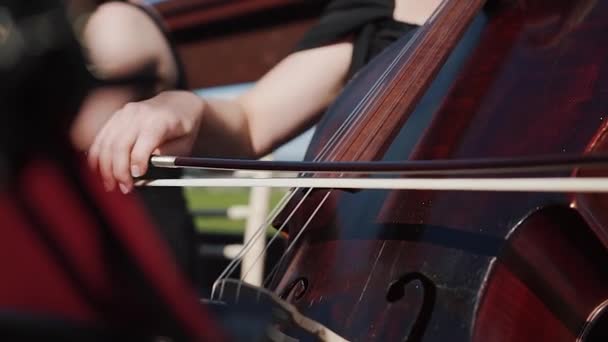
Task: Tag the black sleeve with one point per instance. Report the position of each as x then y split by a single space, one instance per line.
369 21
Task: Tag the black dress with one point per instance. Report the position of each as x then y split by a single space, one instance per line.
369 22
167 206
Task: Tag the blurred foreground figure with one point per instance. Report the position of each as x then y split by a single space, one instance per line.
126 46
77 263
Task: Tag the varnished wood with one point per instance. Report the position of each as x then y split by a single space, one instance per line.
407 83
493 267
545 283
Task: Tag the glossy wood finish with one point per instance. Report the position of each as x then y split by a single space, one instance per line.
226 42
406 83
458 266
545 282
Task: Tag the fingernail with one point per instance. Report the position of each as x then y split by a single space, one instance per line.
123 188
135 171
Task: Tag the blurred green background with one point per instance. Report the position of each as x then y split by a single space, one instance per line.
222 198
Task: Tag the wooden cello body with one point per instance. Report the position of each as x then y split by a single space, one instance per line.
529 78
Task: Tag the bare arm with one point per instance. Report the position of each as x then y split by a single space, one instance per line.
283 103
290 97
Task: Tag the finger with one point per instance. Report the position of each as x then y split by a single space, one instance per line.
93 154
111 136
105 164
96 154
94 150
146 143
121 158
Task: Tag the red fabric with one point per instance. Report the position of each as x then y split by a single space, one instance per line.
37 284
49 194
31 281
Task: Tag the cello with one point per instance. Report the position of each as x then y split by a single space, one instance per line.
425 265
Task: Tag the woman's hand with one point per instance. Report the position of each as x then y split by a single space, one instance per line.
167 123
287 100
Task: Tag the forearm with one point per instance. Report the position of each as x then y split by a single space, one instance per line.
283 103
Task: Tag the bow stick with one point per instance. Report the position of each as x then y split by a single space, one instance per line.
410 167
436 167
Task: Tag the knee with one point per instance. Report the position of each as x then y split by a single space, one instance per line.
121 40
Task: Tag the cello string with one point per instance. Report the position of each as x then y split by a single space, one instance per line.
379 123
305 225
336 137
434 45
384 76
418 70
370 97
281 228
349 124
364 104
324 151
247 246
238 260
277 233
288 250
275 268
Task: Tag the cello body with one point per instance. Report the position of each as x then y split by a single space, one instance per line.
528 78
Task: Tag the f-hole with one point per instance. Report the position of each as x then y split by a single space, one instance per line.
396 291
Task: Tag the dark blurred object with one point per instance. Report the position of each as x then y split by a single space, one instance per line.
232 41
43 80
77 263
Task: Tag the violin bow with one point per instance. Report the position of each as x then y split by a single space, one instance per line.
437 168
